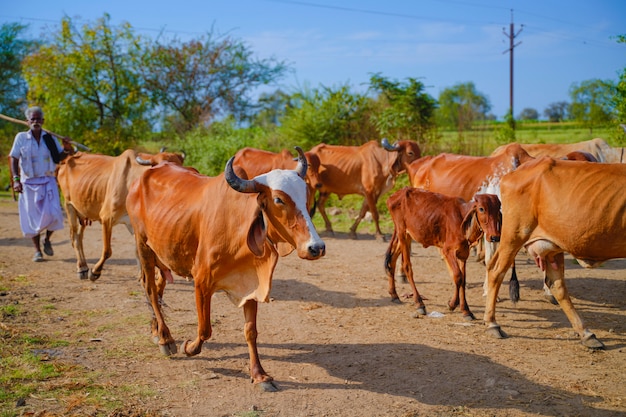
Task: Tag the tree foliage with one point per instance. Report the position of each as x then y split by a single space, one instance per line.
406 110
13 88
619 99
592 102
336 116
557 111
528 114
86 81
196 81
461 105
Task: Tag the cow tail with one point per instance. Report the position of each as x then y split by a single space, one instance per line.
390 251
514 286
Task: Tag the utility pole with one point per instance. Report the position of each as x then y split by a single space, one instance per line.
511 35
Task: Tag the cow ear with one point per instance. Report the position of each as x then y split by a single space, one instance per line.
470 226
257 234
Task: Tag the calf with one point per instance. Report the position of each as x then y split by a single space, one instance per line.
449 223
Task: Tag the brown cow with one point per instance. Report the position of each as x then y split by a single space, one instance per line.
449 223
250 162
550 207
94 188
369 170
464 176
597 147
227 234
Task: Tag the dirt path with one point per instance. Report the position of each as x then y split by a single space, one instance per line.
330 337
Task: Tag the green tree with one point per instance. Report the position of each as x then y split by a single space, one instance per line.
619 99
13 88
406 109
88 83
194 82
461 105
557 111
593 102
336 116
528 114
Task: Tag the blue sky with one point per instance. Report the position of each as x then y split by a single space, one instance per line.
440 42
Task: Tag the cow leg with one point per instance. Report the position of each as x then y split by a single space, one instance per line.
391 257
160 331
257 373
107 229
203 306
364 209
555 279
456 268
418 301
501 261
77 229
321 205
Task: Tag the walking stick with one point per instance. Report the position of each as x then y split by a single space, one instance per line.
23 122
11 180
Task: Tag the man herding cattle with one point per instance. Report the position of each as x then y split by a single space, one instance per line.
227 233
33 160
553 206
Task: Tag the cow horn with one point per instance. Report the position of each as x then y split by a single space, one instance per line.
303 165
236 183
391 148
142 161
163 148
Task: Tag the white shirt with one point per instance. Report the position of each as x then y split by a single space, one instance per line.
35 159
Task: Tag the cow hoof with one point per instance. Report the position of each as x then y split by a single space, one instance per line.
551 299
496 332
469 317
396 300
267 386
168 349
421 311
93 277
589 340
83 274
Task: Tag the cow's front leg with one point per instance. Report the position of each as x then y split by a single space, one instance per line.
203 306
257 373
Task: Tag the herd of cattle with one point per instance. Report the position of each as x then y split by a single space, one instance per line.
227 232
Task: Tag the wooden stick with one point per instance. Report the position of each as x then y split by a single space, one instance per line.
25 123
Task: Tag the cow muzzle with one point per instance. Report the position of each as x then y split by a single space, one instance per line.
316 250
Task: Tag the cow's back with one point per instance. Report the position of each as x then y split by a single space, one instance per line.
83 179
450 174
341 167
581 206
175 204
436 217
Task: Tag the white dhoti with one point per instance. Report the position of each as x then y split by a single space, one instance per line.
39 206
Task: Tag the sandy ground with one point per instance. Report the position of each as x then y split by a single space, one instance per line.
330 337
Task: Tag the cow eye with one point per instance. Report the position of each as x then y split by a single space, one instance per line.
481 209
277 200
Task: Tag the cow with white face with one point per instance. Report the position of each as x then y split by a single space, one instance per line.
225 232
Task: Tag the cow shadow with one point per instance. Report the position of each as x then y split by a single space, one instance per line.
415 372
